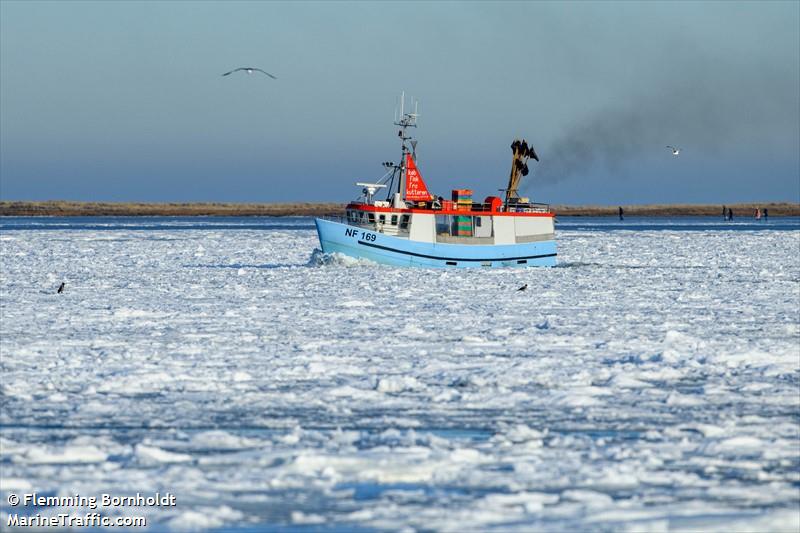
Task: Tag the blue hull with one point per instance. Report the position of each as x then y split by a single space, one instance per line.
389 250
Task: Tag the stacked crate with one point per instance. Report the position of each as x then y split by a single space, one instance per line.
463 202
462 198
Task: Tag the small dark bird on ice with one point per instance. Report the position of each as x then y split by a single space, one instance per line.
523 287
61 287
250 70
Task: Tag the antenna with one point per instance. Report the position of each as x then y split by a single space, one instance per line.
402 102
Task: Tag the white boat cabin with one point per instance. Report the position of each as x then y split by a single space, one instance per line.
440 221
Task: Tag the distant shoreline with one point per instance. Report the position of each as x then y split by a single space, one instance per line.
89 209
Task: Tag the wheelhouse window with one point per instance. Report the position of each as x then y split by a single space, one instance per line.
404 222
382 219
371 218
394 220
443 224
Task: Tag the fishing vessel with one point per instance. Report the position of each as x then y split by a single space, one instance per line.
412 227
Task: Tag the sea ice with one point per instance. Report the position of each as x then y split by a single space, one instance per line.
649 382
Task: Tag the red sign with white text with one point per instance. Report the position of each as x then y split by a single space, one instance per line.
416 190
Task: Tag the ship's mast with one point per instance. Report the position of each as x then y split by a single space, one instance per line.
405 121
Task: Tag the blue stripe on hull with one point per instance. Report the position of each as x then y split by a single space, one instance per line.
386 249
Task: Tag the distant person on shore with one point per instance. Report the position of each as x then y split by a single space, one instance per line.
766 214
730 214
724 213
757 214
621 213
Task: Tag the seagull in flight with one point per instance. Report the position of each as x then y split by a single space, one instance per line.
675 151
523 287
250 70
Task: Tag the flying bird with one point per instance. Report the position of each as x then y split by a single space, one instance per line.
523 287
675 151
61 287
250 70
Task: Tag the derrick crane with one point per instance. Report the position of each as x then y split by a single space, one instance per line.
519 168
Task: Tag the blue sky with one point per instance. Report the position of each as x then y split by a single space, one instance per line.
123 101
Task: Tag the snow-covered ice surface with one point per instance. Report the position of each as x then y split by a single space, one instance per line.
649 382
